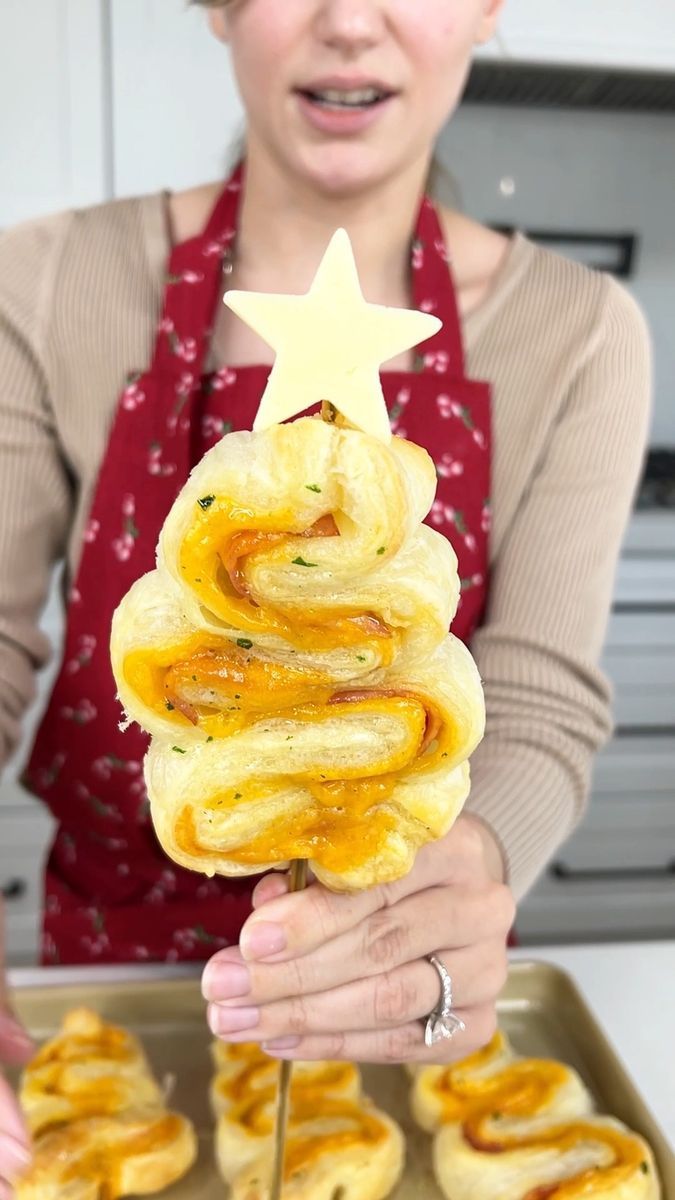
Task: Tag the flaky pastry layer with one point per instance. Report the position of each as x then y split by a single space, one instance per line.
338 1141
525 1129
290 657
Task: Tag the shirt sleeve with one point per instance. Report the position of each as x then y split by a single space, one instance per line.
548 705
36 495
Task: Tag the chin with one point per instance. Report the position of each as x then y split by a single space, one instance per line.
345 170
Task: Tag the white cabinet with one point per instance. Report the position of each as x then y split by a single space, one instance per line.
54 144
594 910
25 840
643 675
650 533
176 114
616 876
12 795
605 33
25 824
640 653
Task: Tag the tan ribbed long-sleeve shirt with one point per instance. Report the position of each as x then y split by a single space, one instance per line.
568 355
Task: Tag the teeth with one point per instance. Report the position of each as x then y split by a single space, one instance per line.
355 98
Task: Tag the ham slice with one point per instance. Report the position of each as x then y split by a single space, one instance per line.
433 725
249 540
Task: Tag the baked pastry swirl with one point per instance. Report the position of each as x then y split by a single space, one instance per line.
290 657
338 1142
525 1129
89 1069
101 1129
102 1158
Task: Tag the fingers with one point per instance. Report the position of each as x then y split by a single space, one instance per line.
386 1001
16 1048
12 1124
269 888
14 1140
292 925
387 939
321 975
15 1045
405 1043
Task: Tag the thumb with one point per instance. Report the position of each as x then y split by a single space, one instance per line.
14 1141
16 1048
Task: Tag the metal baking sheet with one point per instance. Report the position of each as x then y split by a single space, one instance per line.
541 1011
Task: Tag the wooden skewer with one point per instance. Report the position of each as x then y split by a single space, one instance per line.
298 884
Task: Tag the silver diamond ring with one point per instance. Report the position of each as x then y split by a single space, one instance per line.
442 1024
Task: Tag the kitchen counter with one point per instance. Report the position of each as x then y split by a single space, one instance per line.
630 987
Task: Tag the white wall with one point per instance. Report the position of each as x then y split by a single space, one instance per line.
174 102
585 171
611 32
54 133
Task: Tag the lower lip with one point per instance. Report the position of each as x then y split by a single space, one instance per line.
339 121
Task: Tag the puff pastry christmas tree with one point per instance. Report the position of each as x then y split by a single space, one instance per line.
290 654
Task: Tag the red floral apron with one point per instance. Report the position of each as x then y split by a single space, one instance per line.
111 893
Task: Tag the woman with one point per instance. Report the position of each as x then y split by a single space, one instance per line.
344 99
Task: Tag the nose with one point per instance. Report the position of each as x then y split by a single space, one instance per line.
350 26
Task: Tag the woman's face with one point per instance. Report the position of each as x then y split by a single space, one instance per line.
349 93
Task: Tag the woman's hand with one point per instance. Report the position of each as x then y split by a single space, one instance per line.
15 1050
325 976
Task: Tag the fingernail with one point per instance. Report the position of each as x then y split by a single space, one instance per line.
223 1021
225 981
260 939
14 1158
284 1043
271 887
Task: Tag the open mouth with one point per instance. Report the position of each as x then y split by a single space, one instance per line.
349 100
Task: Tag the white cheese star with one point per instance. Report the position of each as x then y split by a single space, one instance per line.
330 343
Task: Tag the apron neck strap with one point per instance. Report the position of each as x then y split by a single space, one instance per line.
193 286
194 283
433 289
